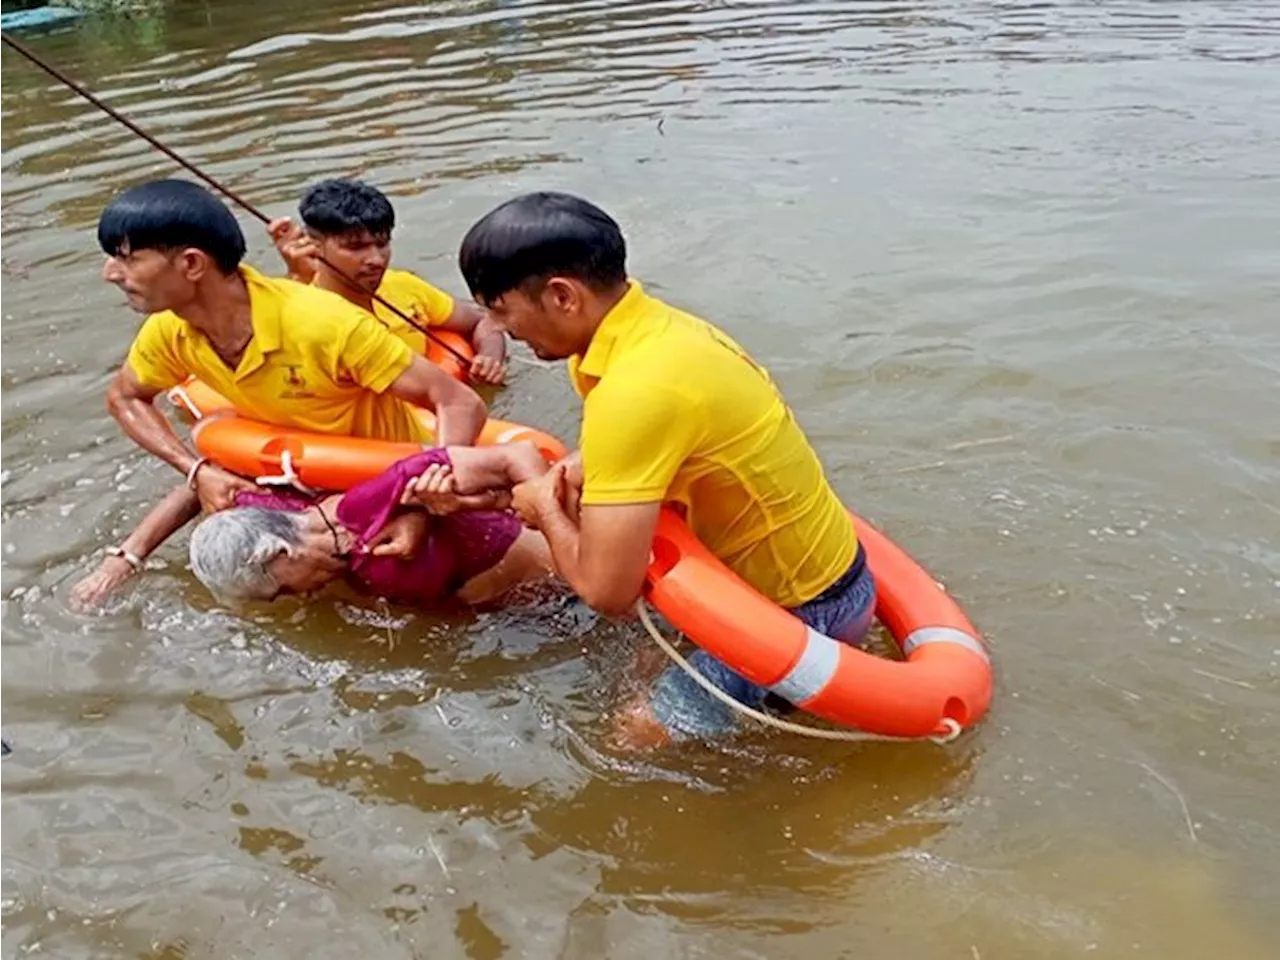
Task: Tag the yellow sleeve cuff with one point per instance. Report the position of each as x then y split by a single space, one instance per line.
150 377
623 496
389 372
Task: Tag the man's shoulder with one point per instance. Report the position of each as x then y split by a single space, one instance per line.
696 345
395 277
309 311
287 291
408 290
165 323
674 325
406 284
647 379
674 350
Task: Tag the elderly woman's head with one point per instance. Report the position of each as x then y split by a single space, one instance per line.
252 553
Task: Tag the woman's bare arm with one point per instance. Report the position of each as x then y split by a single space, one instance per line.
166 517
481 469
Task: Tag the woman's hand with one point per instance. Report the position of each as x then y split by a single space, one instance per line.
400 537
435 490
488 369
97 586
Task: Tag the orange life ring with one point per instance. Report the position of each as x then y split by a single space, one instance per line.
439 343
943 685
254 449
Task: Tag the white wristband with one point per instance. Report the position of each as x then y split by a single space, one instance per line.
130 558
195 468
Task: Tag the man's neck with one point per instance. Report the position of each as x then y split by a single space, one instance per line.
602 307
221 309
335 284
607 301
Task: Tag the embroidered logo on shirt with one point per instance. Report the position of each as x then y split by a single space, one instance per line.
295 384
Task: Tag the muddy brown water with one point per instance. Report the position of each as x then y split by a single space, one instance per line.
1015 266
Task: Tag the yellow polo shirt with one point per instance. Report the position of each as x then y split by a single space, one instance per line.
674 410
429 306
316 362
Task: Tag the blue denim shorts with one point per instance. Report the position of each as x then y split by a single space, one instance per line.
844 611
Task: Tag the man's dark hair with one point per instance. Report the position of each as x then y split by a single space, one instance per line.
171 215
538 236
334 207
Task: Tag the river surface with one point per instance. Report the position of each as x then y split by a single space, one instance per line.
1015 266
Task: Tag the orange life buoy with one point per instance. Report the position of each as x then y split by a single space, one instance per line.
255 449
439 345
944 683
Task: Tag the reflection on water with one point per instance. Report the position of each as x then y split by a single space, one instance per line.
1014 266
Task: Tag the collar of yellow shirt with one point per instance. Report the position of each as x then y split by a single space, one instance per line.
586 369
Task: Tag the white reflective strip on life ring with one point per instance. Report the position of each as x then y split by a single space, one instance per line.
927 635
506 436
813 671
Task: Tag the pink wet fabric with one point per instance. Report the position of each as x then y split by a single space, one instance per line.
281 500
456 548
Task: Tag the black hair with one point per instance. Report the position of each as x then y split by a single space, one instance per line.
540 235
334 207
171 215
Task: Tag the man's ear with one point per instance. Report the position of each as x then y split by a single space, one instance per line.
564 294
195 264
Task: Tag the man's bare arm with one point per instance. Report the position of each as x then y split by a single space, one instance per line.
460 413
132 403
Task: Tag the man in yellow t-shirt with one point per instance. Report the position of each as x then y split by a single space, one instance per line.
674 412
280 351
349 224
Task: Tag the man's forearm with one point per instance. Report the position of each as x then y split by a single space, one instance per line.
564 538
459 411
459 423
147 427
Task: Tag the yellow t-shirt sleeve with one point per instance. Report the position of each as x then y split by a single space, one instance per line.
153 357
436 305
635 436
370 355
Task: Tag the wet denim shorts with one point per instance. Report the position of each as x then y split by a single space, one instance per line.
844 610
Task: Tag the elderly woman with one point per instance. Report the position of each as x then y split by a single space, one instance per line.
466 544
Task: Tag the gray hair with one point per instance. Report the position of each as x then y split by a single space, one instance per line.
230 550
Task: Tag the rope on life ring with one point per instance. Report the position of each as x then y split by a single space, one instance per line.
288 477
953 727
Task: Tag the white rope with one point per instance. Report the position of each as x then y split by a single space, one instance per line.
953 728
179 396
288 477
